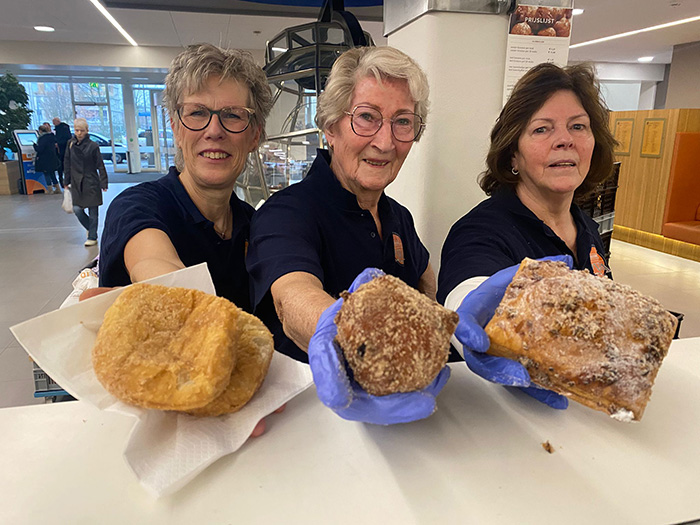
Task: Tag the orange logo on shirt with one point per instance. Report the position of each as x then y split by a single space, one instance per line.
398 250
597 263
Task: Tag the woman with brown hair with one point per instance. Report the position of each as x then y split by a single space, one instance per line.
550 146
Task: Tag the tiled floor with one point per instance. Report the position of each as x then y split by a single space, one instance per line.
41 252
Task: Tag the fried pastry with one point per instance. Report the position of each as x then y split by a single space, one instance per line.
395 339
595 341
254 350
166 348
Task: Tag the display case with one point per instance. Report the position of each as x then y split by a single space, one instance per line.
600 206
297 63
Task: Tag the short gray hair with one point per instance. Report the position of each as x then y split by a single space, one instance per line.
384 63
81 122
192 68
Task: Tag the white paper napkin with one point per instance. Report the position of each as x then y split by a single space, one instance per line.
165 450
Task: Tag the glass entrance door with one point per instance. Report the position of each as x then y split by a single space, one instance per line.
100 131
166 143
152 136
91 102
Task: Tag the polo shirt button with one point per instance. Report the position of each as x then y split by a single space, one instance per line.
373 235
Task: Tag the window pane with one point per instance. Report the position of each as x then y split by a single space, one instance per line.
116 102
90 92
48 100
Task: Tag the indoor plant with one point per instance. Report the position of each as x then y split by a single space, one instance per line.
14 113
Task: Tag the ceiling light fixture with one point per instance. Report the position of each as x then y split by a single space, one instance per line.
645 59
109 17
45 29
576 12
636 32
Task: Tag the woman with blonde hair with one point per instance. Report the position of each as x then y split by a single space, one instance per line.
85 174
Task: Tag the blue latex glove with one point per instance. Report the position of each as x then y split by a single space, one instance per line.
475 312
345 397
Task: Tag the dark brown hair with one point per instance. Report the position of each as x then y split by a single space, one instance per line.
528 96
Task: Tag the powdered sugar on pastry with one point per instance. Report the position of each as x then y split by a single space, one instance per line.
599 342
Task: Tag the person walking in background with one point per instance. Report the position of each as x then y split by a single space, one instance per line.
81 165
47 157
63 135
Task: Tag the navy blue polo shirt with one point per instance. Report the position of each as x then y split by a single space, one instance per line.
316 226
501 231
165 205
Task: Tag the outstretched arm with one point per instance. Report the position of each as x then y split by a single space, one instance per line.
150 253
299 301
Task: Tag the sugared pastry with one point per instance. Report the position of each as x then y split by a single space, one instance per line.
589 338
395 339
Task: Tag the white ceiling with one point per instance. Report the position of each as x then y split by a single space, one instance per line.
608 17
78 21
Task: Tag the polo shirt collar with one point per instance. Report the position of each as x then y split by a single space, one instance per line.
173 181
510 200
334 191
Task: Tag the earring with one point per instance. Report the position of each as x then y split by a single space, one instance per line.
514 171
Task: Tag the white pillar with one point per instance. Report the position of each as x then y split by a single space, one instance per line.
647 96
463 56
131 131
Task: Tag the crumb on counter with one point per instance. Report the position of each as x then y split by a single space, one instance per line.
548 447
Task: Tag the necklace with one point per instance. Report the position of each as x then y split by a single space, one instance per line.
223 233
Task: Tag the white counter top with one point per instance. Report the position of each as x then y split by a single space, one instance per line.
479 459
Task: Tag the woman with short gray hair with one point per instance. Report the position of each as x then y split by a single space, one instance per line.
218 101
191 69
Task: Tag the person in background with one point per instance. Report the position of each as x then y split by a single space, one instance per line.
63 135
550 145
311 240
47 156
86 176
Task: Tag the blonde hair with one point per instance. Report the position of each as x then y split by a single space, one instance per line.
384 63
81 122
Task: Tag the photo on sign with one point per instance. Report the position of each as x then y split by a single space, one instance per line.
532 20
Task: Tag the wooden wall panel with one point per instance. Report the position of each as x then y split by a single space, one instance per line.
689 120
643 184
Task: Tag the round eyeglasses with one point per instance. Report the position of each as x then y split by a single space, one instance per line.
366 121
196 117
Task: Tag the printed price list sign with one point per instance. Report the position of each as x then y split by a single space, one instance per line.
536 34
